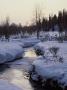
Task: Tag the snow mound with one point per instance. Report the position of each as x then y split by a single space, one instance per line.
26 42
45 46
55 71
48 69
10 51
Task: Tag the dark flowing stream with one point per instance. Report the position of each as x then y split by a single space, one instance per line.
16 72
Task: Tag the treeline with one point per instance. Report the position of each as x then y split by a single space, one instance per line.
53 23
60 21
42 24
7 29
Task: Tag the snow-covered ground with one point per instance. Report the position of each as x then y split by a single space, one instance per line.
26 42
48 67
10 51
45 46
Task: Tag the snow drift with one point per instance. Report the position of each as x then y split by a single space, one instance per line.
10 51
46 67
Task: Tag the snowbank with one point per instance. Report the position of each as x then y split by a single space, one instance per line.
45 46
50 69
26 42
30 42
55 71
10 51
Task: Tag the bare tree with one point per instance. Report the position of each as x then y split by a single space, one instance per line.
38 21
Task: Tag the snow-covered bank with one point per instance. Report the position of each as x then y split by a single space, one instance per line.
45 48
10 51
50 71
48 67
26 42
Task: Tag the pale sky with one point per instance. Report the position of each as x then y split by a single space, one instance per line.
22 11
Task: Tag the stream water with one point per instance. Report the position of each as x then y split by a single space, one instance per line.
16 72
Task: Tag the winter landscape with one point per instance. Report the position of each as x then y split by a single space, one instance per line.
33 53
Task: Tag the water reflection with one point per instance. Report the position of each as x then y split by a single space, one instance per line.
20 80
16 77
30 53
